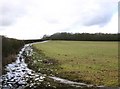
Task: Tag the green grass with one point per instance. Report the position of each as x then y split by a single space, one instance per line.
86 61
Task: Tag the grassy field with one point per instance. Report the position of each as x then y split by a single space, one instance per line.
91 62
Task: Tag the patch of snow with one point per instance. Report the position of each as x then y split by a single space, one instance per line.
18 74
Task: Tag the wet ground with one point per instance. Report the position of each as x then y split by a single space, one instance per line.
19 76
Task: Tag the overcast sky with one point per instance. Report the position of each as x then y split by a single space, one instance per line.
31 19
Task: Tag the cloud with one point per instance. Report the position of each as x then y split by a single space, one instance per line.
99 12
110 27
90 12
27 19
10 10
98 19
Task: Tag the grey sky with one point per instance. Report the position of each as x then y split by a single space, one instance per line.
27 19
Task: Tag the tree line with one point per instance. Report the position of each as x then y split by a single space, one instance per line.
82 36
10 45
